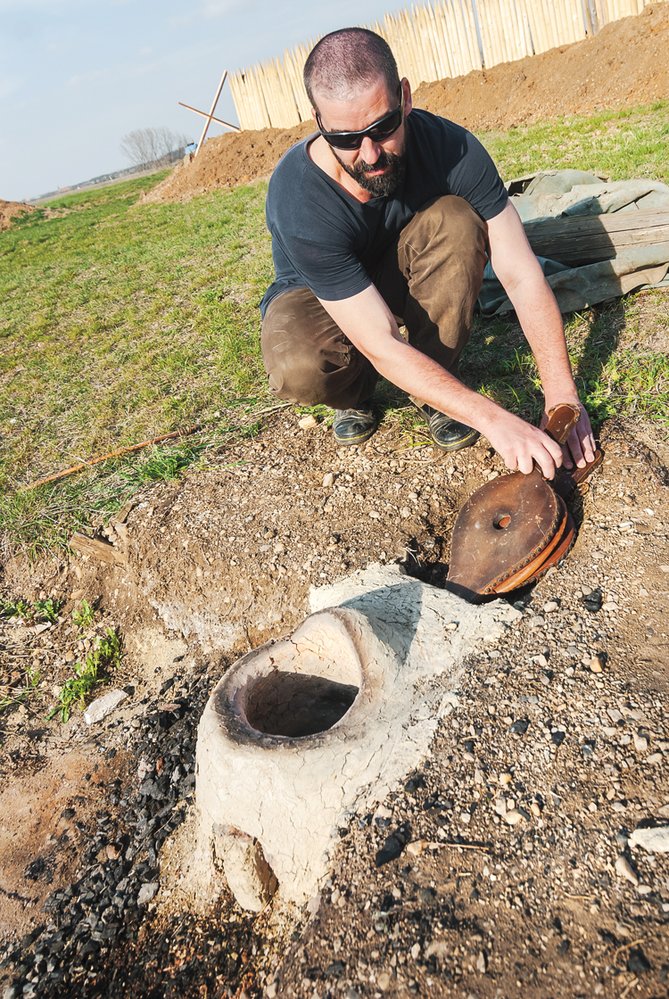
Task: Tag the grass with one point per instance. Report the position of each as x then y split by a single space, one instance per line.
98 664
82 616
15 696
615 144
35 612
120 321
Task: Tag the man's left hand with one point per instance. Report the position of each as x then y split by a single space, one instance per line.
580 447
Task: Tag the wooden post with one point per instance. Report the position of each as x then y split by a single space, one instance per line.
211 113
211 117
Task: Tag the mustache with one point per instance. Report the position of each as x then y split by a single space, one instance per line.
385 160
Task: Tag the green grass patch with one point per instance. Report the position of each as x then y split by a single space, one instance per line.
615 144
122 320
82 616
32 612
98 664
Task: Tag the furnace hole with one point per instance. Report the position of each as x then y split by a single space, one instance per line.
296 704
502 521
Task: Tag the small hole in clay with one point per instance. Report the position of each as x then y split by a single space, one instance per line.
296 704
502 521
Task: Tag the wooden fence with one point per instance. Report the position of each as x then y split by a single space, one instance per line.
433 42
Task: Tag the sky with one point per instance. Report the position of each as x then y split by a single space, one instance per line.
78 75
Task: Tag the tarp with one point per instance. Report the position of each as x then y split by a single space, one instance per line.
561 193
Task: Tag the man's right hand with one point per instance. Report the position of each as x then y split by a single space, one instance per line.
520 445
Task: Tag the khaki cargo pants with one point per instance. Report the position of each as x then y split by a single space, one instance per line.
430 279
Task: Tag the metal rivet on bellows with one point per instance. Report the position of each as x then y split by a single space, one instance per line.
302 732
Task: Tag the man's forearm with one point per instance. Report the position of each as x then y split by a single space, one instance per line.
541 322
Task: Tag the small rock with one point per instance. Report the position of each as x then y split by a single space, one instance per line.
393 846
550 607
328 480
637 962
520 726
148 890
103 706
513 817
625 870
654 839
593 601
439 949
481 963
415 951
383 981
640 743
596 663
416 848
307 422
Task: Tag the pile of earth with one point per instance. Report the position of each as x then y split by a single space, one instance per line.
9 210
624 65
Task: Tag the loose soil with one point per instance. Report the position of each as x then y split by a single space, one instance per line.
562 721
512 872
9 210
622 66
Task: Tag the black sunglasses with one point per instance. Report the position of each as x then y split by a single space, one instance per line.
378 131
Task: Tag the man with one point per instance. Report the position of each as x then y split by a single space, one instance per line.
389 214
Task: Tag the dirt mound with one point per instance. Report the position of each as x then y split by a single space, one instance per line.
9 210
625 64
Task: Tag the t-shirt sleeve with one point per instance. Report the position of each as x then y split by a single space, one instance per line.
329 269
476 178
313 239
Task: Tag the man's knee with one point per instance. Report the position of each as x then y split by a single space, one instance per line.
447 219
307 357
295 376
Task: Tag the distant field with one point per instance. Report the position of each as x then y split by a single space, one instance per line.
121 321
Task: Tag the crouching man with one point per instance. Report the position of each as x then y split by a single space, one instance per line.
386 216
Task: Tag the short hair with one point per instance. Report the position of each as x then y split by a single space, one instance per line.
344 62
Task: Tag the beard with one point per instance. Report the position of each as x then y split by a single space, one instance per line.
386 183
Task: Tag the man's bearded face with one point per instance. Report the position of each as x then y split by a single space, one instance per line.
382 185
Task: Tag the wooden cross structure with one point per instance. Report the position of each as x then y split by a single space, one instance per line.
210 117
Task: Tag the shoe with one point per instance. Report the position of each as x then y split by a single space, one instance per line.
448 434
354 426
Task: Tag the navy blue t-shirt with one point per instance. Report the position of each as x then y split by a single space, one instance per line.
326 240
